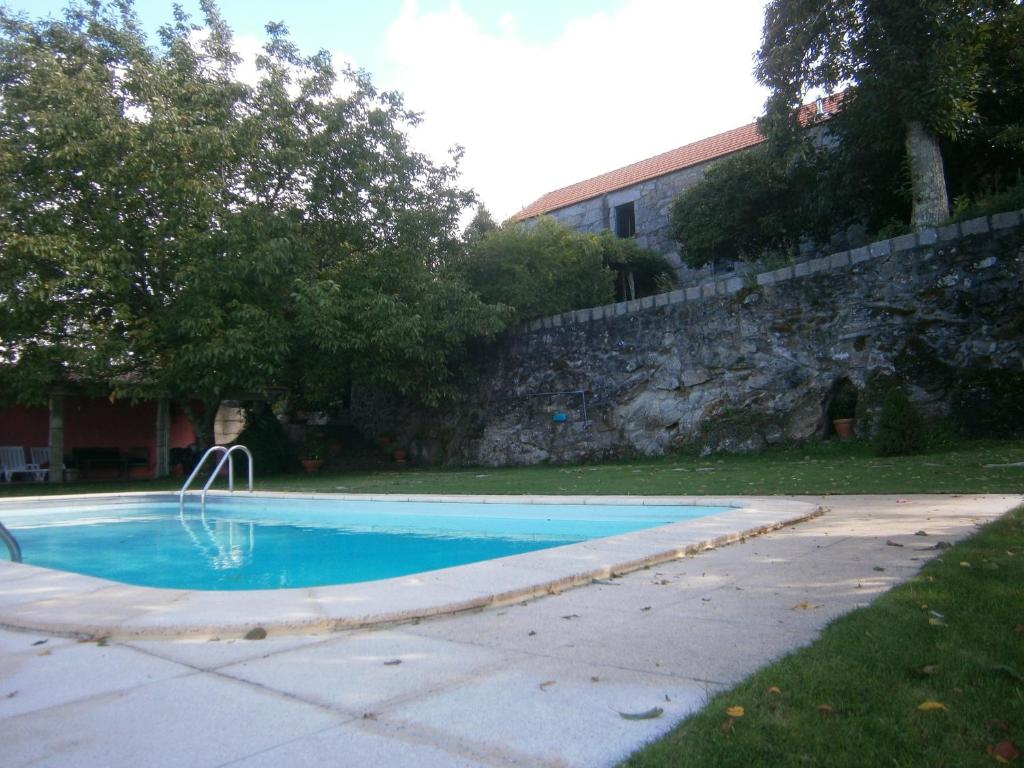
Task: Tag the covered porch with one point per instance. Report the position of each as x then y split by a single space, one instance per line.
89 437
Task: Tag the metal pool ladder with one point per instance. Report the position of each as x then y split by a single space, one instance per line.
12 544
216 470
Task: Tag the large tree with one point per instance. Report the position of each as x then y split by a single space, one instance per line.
166 229
915 62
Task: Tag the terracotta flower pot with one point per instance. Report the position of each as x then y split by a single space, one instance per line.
312 465
844 427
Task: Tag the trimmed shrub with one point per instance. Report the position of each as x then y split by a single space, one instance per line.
272 451
989 403
900 429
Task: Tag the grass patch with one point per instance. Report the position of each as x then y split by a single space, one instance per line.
953 636
979 466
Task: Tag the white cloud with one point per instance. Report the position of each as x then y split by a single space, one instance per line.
613 88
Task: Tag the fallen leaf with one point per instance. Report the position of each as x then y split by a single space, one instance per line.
804 606
774 689
546 684
927 670
392 663
964 564
44 652
936 622
650 714
824 709
931 706
735 712
1004 751
726 727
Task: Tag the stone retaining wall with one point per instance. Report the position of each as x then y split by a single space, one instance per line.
738 364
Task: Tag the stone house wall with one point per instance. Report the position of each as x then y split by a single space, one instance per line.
652 200
737 364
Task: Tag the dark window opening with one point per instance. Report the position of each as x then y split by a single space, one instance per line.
625 220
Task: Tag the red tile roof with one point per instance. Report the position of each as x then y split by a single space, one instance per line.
667 162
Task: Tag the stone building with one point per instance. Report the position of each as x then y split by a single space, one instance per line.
634 201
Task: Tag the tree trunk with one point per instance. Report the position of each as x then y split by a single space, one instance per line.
927 178
203 422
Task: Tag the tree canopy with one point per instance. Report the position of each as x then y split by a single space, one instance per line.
546 268
166 228
916 63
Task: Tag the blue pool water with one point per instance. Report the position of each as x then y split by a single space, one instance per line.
265 543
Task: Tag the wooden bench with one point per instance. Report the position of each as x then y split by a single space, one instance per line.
89 459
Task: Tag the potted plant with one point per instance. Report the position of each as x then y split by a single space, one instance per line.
842 411
399 452
313 454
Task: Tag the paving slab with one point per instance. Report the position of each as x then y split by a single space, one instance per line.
543 712
62 671
197 720
362 672
354 744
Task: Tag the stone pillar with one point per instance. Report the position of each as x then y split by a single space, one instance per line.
162 465
56 440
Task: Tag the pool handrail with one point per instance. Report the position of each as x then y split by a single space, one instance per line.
216 470
12 543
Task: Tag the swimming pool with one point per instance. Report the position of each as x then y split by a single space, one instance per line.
40 599
243 542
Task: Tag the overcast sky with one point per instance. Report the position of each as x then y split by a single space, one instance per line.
541 93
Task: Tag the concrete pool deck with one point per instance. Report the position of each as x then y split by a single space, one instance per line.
532 683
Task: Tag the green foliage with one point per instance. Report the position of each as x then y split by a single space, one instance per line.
751 203
479 227
920 62
540 270
900 429
272 451
169 229
989 403
1010 199
547 268
638 271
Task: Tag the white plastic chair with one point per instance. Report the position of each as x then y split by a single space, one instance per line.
12 462
40 456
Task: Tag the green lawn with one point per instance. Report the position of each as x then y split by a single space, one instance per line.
819 468
930 674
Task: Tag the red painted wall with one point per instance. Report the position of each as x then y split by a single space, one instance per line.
96 423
